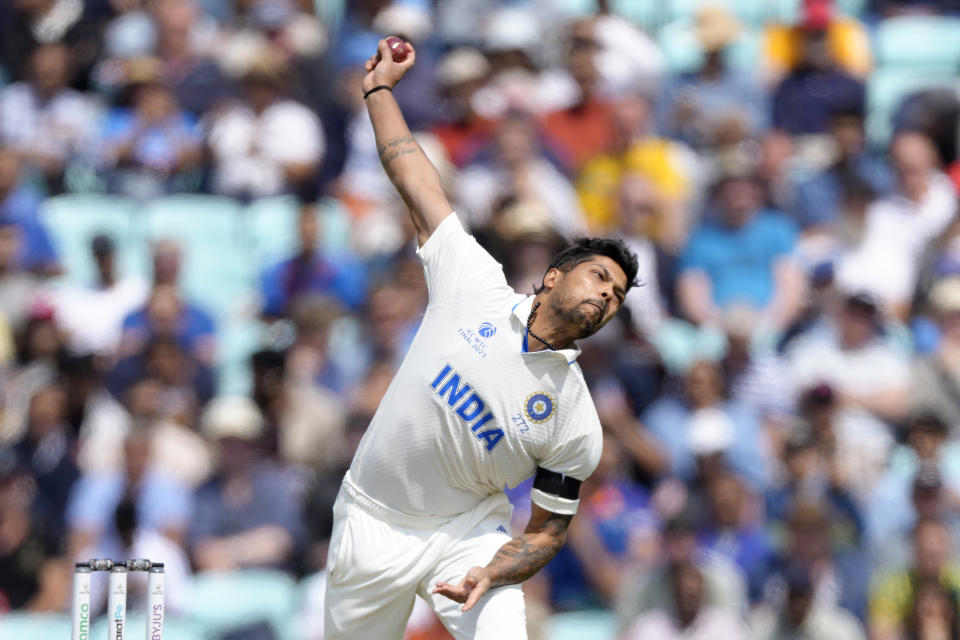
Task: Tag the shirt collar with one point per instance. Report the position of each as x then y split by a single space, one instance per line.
521 311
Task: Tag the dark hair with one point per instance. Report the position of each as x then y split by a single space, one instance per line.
582 249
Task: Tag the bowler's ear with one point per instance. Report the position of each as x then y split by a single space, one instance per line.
551 277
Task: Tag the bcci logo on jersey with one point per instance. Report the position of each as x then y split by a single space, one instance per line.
539 407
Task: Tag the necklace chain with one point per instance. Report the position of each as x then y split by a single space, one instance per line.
530 330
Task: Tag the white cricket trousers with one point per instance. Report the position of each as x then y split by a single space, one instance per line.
380 559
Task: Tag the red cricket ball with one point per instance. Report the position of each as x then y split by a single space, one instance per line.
398 48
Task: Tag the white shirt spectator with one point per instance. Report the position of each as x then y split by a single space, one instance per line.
58 128
897 232
93 317
709 624
250 150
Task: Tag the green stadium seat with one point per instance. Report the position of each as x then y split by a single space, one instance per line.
886 90
924 43
577 625
35 626
225 600
217 268
72 220
237 339
647 15
271 225
678 41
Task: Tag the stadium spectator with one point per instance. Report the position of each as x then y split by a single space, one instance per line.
161 503
637 150
582 130
866 376
651 589
311 272
17 285
92 315
518 169
150 146
33 23
167 311
33 573
47 451
895 594
692 618
616 531
818 200
900 227
264 144
715 105
703 423
730 528
20 206
934 385
248 514
304 422
798 615
740 255
43 120
463 131
815 87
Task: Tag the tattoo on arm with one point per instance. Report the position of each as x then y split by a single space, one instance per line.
523 557
396 147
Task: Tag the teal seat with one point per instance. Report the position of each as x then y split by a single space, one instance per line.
72 220
35 626
678 41
886 90
925 43
647 15
237 339
272 227
578 625
217 268
225 600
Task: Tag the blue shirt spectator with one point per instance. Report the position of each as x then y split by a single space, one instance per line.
20 206
311 273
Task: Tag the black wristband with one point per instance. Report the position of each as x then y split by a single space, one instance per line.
377 88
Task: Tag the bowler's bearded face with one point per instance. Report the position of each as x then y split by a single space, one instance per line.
589 295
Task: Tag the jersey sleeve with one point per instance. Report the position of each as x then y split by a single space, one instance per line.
455 264
575 455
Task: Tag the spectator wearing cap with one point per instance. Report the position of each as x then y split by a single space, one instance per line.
463 131
92 316
691 617
894 594
714 105
265 144
935 378
20 206
45 121
816 86
818 201
901 226
847 39
248 514
741 254
150 145
584 129
702 424
868 377
795 614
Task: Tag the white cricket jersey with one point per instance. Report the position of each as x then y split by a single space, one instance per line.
470 411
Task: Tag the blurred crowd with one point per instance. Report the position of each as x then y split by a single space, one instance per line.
780 399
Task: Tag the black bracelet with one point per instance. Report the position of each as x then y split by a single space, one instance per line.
377 88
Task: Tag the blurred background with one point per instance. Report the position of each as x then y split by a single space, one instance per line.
207 283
